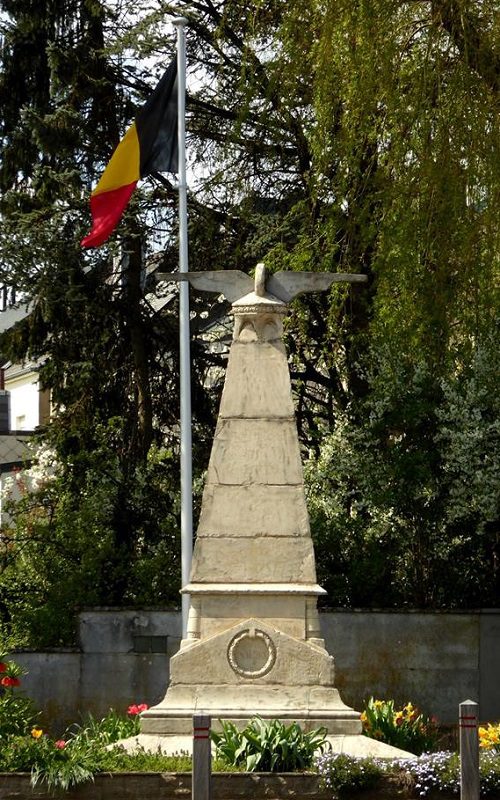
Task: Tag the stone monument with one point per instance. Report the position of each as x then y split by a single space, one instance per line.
254 645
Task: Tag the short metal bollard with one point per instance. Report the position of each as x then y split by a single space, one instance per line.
469 750
202 760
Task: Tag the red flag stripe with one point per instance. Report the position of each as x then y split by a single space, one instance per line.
106 209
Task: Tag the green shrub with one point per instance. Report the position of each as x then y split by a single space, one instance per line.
17 713
441 772
406 728
82 751
118 760
111 728
342 773
489 772
61 763
429 774
61 766
268 746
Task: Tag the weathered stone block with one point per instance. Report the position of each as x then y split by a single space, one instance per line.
257 382
255 451
261 560
252 652
250 511
219 612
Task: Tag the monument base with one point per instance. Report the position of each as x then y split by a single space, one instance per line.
343 722
252 669
357 746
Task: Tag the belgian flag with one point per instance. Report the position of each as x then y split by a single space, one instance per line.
149 145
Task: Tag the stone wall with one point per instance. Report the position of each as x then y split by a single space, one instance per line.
436 660
177 786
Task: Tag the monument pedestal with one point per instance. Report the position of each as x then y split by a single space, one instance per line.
252 669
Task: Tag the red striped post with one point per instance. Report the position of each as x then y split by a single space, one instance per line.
469 750
202 761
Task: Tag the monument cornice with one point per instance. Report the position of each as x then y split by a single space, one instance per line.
311 589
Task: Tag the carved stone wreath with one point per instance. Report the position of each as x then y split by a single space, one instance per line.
251 653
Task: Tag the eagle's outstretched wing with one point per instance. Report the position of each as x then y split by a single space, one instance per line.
232 283
287 285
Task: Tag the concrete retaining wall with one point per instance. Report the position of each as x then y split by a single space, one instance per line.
174 786
225 786
436 660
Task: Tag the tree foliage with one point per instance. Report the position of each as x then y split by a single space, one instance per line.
406 506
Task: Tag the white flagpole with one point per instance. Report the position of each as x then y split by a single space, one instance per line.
185 359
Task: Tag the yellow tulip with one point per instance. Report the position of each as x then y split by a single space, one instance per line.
36 733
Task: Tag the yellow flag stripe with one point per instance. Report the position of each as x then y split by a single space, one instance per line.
124 165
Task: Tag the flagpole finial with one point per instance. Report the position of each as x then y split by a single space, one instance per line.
179 22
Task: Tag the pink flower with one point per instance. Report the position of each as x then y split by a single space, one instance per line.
60 744
137 709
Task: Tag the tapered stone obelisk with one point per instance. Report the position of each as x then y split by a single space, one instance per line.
254 645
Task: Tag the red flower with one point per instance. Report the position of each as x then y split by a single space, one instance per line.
60 744
3 666
134 710
8 681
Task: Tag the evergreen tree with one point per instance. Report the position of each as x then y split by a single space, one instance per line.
63 110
